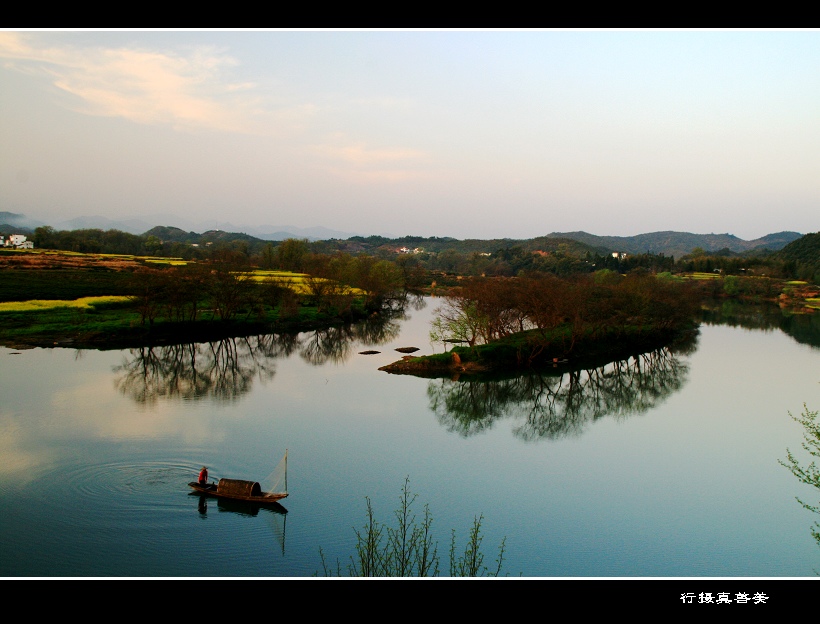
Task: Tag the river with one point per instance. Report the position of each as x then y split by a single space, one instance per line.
665 465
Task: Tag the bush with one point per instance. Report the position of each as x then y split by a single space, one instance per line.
408 549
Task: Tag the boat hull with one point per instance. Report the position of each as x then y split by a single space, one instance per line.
263 498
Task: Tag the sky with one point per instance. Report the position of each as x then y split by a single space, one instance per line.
463 133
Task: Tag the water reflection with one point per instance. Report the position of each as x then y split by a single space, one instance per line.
222 370
337 344
553 405
245 508
225 370
275 514
803 328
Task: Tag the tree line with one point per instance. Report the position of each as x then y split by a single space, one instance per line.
561 257
226 288
556 313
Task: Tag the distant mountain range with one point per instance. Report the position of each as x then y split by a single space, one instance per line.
674 244
142 225
679 244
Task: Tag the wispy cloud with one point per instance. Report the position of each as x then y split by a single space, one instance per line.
185 90
360 155
358 162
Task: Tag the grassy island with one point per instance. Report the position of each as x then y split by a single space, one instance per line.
528 350
540 320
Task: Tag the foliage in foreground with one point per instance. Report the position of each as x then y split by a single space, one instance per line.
409 549
809 474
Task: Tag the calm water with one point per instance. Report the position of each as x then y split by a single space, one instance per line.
662 466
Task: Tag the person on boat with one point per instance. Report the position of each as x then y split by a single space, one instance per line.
203 476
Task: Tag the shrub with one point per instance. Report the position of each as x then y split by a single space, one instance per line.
408 549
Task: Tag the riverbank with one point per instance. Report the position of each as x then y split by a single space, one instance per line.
120 328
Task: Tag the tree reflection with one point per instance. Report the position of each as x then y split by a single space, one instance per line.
327 345
803 328
337 344
555 405
226 369
222 370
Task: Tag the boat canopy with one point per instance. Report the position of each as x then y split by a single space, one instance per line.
237 487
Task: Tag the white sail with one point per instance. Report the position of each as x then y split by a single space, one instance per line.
277 481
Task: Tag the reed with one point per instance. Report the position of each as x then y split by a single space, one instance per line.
408 548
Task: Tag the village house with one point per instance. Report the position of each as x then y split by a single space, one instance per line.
17 241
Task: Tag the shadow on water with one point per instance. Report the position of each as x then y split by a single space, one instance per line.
552 404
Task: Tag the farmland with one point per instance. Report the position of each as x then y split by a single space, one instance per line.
107 300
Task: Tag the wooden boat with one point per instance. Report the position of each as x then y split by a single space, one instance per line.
250 491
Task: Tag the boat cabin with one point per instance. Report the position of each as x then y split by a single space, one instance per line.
237 487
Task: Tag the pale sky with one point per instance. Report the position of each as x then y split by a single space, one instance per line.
471 134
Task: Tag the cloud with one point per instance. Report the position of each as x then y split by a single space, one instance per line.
358 162
20 461
184 90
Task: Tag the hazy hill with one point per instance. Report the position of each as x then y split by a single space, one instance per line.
675 244
679 244
13 223
435 244
22 224
173 234
8 228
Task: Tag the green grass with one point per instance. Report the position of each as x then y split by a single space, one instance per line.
65 323
27 284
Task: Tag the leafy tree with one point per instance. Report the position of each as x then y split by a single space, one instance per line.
230 286
810 473
153 245
149 287
291 253
459 319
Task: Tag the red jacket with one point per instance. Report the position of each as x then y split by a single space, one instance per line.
203 476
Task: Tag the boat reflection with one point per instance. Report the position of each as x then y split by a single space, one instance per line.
245 508
275 514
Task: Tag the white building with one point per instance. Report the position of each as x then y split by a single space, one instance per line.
18 241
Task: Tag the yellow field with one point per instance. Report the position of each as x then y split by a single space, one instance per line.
704 276
171 261
294 281
86 303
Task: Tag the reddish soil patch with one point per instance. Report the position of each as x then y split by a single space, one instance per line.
45 260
